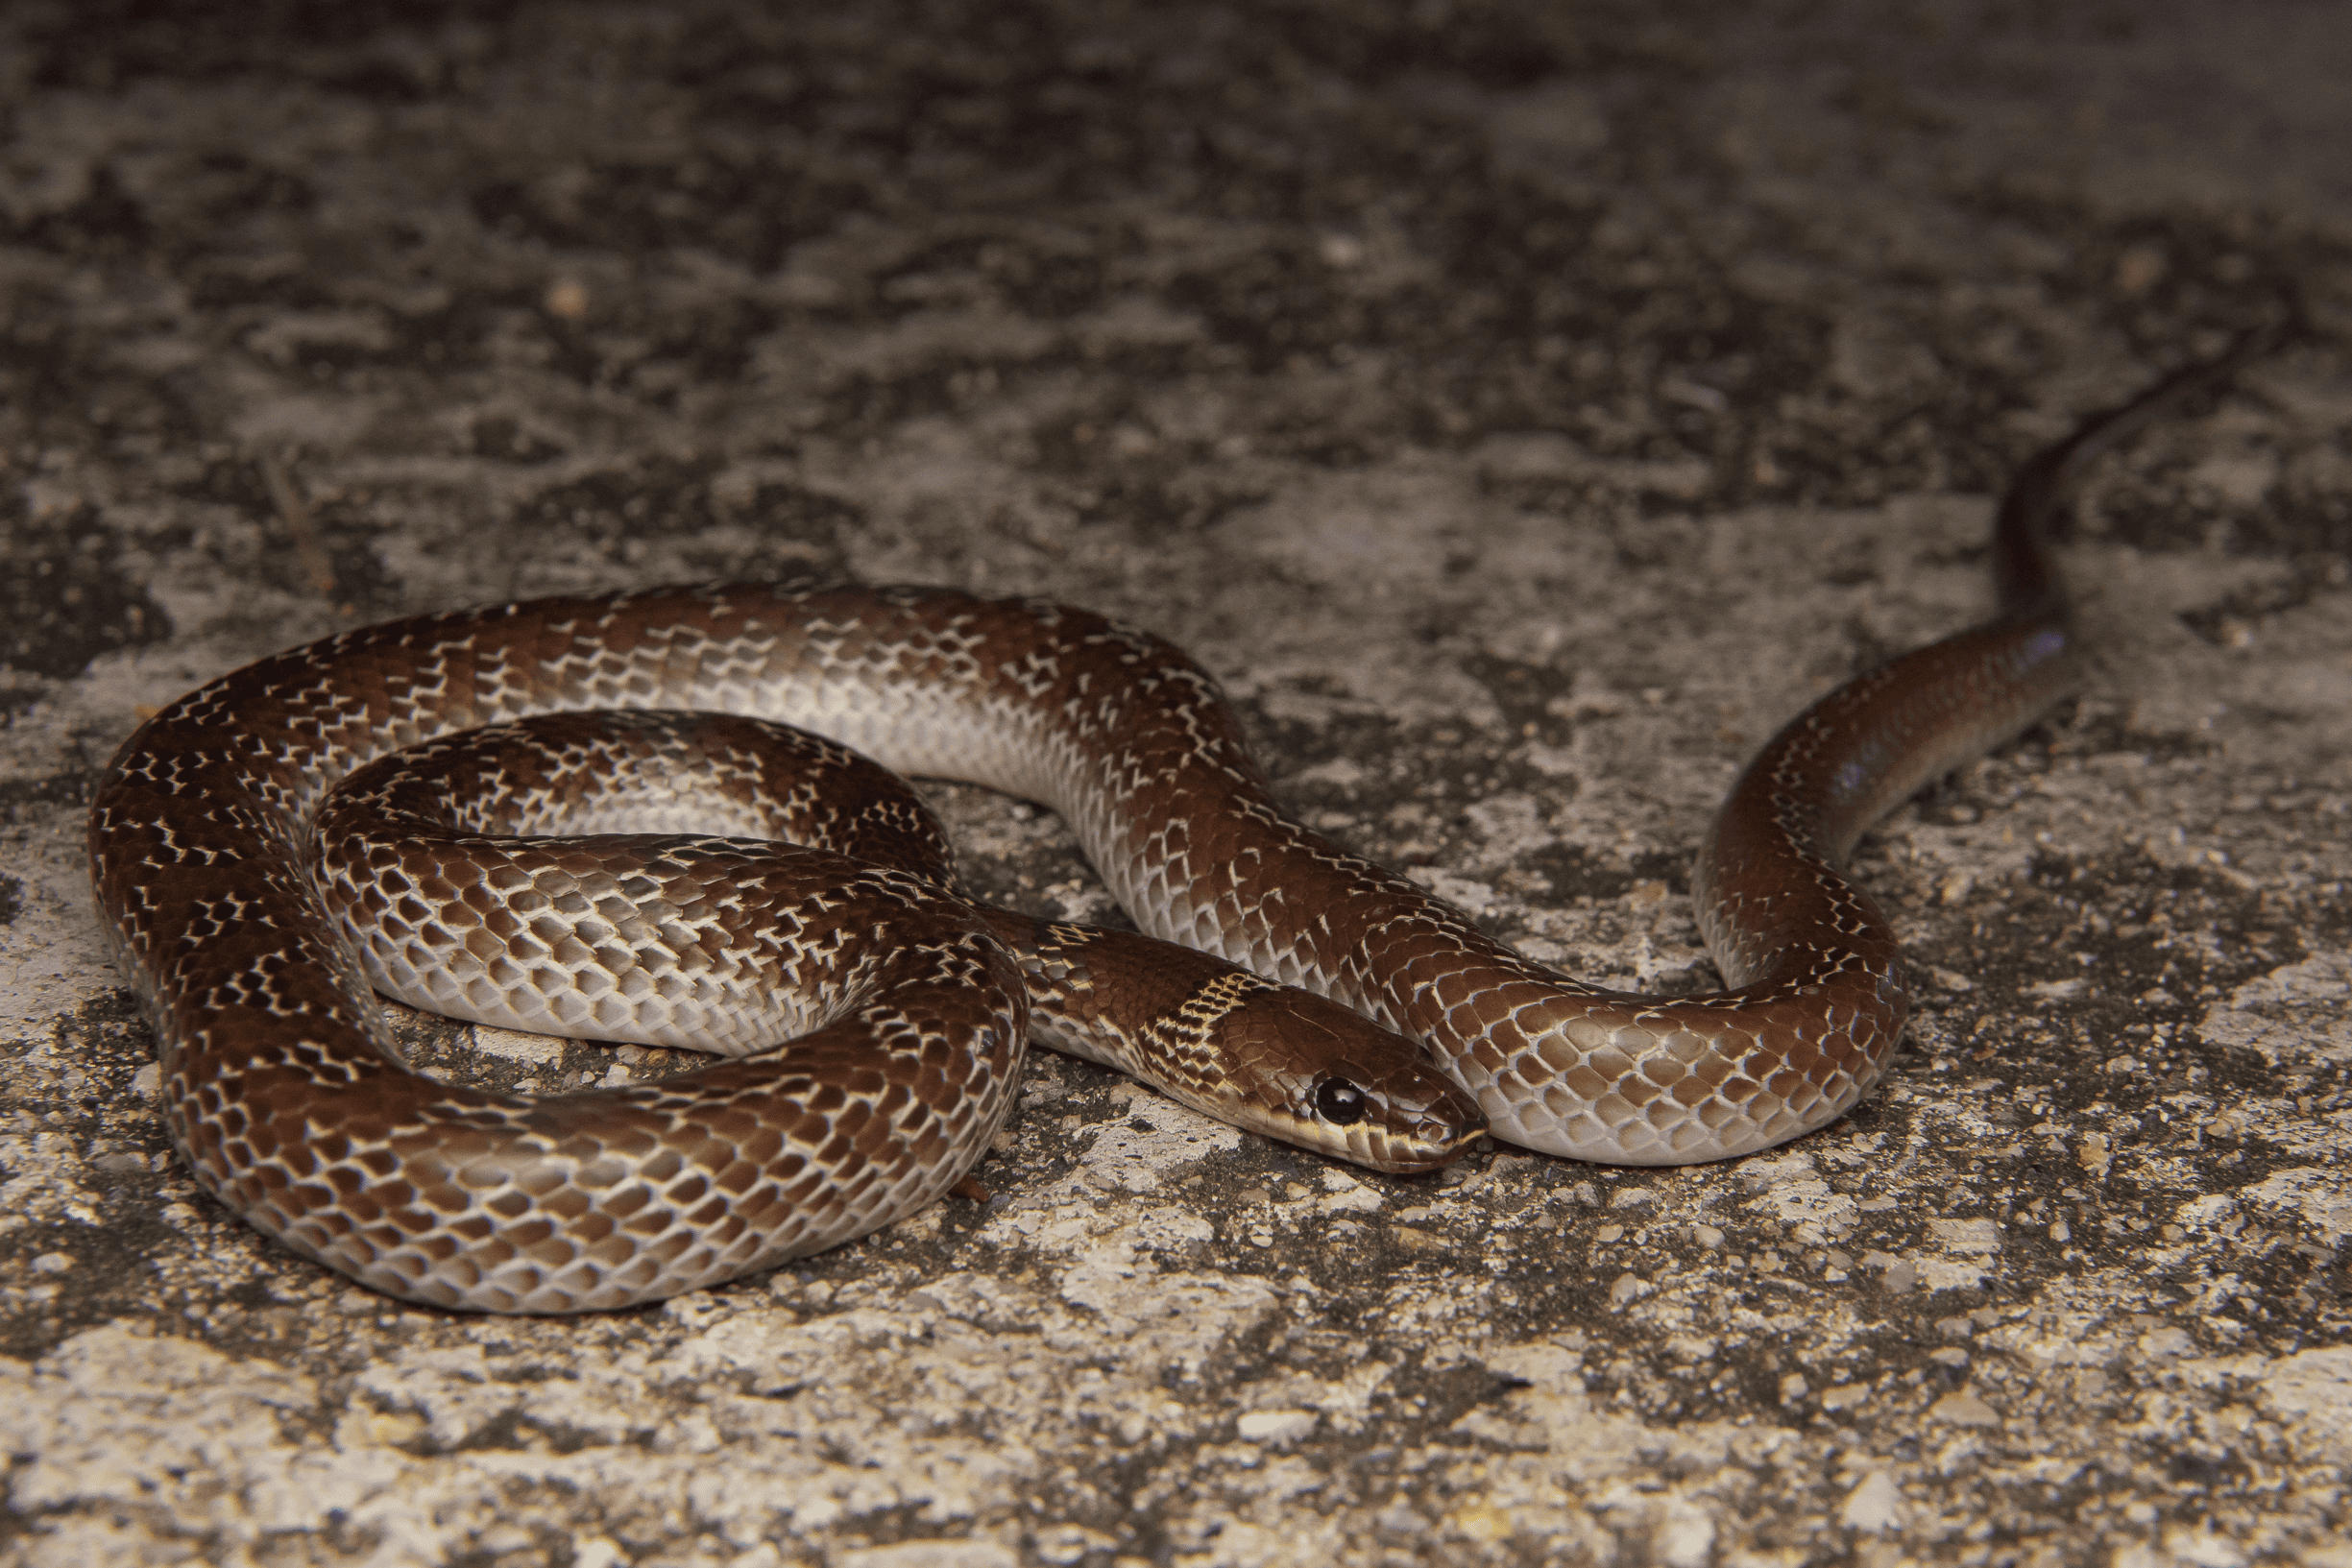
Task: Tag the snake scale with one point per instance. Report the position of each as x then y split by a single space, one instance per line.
257 938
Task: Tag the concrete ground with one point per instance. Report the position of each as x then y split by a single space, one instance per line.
1524 409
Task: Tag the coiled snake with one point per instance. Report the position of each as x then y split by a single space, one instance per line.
256 938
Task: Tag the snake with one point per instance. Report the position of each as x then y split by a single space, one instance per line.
257 937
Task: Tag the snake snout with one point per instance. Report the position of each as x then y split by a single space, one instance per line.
1417 1120
1341 1085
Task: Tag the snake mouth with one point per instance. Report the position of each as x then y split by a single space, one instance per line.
1395 1132
1400 1121
1439 1137
1390 1112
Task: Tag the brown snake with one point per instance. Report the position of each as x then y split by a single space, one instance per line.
283 1089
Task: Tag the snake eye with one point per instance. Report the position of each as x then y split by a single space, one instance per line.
1341 1102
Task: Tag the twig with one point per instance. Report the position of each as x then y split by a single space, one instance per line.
297 513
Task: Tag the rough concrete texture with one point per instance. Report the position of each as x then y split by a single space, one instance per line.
1524 409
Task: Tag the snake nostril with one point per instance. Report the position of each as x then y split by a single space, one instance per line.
1341 1102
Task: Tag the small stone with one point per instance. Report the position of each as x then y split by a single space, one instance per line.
1874 1505
1340 252
950 1553
1964 1410
1845 1396
567 298
1275 1426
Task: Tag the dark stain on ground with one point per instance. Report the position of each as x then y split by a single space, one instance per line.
64 600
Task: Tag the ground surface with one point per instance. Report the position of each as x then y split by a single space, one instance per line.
1523 417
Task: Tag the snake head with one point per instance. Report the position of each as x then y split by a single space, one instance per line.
1309 1072
1268 1058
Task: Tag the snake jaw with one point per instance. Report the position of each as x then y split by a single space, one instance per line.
1402 1135
1416 1117
1421 1144
1320 1076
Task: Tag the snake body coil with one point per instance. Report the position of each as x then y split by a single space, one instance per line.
283 1089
